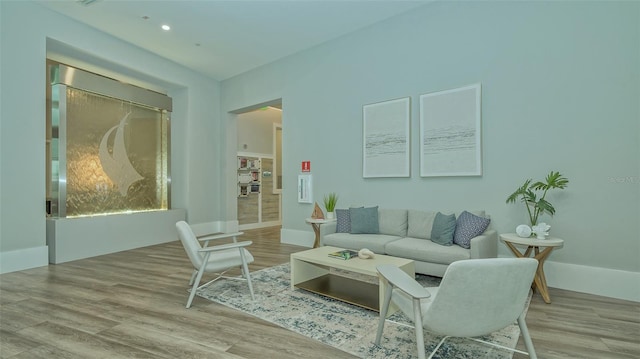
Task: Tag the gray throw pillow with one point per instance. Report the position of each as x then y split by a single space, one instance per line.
469 226
364 220
343 221
443 228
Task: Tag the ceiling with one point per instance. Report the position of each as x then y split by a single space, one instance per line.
222 39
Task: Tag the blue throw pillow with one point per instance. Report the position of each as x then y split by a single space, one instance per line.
364 220
443 228
343 221
467 227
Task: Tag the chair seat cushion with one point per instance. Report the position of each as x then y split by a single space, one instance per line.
426 251
226 259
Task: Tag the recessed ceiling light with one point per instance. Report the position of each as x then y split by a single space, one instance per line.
166 27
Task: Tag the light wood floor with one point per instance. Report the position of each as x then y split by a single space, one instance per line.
131 305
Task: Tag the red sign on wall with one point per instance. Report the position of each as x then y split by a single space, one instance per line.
306 166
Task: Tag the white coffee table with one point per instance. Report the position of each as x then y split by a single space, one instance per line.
310 270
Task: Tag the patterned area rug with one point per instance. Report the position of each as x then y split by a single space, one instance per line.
341 325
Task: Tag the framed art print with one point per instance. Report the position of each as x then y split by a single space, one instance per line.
385 134
450 133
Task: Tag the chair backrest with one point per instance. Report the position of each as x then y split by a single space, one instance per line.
190 243
480 296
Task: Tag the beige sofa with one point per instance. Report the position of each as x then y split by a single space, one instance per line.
406 233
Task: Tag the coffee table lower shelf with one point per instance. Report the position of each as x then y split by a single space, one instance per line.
352 291
315 271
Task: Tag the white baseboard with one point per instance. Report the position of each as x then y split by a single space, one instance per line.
594 280
259 225
214 227
229 227
297 237
606 282
22 259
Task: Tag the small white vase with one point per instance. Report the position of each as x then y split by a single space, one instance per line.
331 215
523 231
541 230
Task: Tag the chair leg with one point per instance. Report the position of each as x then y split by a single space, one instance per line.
526 337
438 346
193 277
383 311
245 269
417 320
194 288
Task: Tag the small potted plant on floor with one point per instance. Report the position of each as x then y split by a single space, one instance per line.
330 202
533 195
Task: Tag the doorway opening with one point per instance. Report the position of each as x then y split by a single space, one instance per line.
259 174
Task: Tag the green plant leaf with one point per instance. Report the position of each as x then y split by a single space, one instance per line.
519 192
553 180
330 201
535 201
546 206
529 196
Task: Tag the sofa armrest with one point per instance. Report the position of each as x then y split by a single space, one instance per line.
485 245
325 229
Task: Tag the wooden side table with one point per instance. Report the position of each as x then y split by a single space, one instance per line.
533 245
316 223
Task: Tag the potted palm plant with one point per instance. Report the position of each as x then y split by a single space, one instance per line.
330 201
533 195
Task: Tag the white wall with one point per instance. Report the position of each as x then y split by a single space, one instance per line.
560 89
195 158
255 130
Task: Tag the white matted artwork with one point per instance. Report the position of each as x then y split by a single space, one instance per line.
450 133
385 145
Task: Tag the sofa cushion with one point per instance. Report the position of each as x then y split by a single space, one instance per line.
480 213
420 223
343 221
374 242
468 226
443 228
364 220
425 250
393 222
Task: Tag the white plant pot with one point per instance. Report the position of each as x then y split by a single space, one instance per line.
331 215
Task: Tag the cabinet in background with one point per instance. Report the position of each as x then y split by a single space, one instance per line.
258 205
249 176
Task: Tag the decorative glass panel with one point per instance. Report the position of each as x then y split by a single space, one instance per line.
109 155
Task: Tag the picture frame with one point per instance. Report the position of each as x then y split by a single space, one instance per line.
386 138
451 132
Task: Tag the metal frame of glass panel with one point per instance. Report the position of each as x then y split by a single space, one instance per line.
63 79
